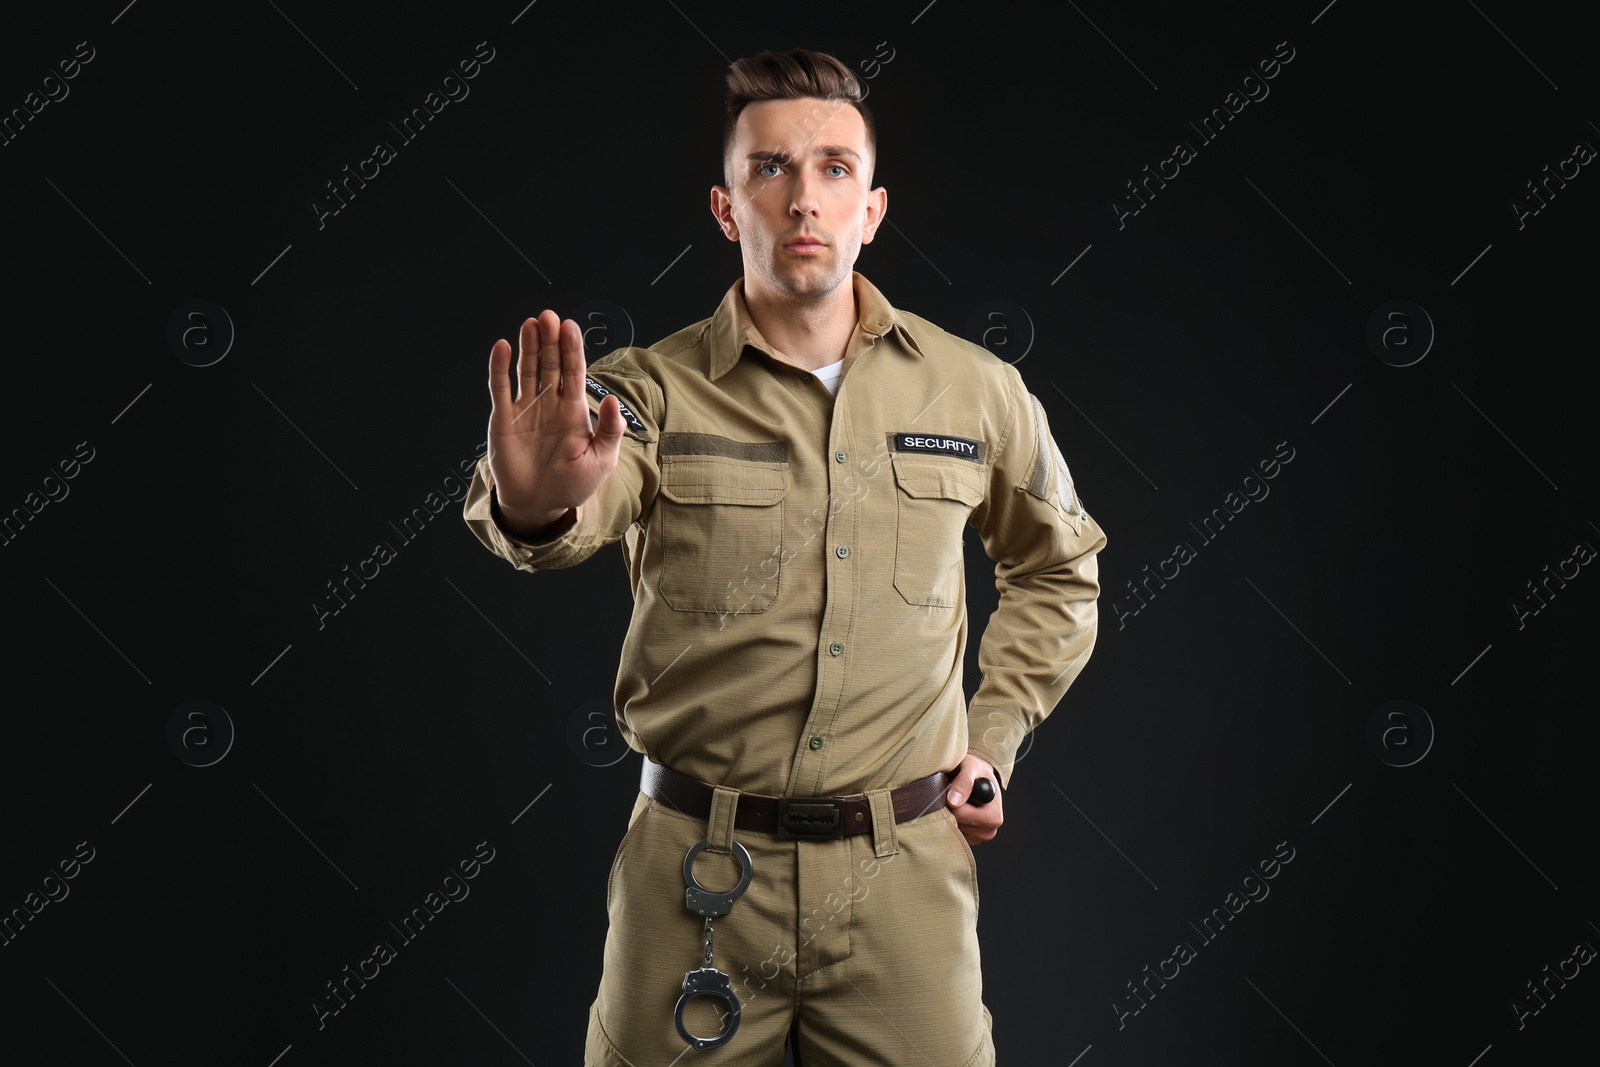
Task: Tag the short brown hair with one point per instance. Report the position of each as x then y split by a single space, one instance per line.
791 76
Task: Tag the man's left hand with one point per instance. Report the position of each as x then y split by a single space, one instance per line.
977 822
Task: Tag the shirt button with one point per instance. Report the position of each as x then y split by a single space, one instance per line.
816 743
843 550
838 457
837 648
805 377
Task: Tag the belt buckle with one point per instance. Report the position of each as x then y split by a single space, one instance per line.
811 817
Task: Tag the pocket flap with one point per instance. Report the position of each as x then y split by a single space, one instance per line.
691 479
933 476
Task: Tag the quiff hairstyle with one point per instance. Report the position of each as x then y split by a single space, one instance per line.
791 76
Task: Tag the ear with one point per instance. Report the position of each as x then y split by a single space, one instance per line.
877 207
722 210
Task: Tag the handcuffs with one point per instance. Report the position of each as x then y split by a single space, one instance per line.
707 980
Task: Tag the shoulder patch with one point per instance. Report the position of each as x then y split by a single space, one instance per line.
1048 459
600 392
1066 494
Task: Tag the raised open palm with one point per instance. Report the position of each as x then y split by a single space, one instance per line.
543 454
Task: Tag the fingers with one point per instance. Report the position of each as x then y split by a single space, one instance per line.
549 373
500 395
961 788
608 435
528 344
549 363
977 824
572 370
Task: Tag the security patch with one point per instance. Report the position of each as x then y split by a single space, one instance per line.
938 444
600 392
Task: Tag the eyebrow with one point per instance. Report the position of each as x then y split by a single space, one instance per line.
780 156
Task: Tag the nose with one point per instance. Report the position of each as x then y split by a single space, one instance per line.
805 194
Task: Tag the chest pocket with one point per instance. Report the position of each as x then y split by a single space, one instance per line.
721 527
936 496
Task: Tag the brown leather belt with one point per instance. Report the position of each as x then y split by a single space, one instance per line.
808 817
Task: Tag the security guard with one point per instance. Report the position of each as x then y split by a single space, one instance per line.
790 479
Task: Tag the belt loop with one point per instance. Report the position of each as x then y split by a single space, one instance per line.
719 827
884 840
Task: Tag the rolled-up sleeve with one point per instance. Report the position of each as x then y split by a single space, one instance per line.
1044 545
622 499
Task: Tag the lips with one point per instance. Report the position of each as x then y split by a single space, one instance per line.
805 244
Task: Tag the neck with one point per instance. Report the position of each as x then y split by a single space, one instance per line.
809 331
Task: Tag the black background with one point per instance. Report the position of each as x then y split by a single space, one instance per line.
1231 314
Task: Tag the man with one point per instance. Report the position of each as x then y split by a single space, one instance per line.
790 479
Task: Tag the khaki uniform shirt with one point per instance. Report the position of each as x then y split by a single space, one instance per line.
799 616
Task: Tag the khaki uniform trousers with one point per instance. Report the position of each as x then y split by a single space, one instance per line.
867 945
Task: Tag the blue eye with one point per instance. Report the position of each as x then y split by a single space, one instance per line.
839 167
763 167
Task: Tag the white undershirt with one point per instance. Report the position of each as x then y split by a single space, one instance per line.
829 376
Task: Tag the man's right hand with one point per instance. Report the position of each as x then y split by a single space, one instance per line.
543 455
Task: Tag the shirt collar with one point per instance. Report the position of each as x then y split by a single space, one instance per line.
731 330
